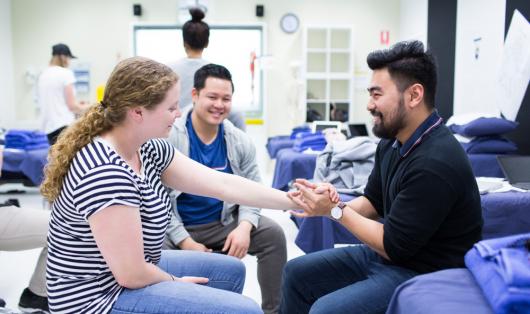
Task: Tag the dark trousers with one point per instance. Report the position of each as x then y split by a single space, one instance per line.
52 137
352 279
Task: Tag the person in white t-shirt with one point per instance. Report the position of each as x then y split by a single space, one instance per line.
56 94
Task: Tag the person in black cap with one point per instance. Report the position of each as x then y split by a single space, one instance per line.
56 94
62 50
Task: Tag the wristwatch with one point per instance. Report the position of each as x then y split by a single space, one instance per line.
336 212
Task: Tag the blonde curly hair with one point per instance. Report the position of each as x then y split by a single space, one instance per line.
134 82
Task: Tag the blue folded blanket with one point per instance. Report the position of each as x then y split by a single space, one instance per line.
26 140
484 126
299 129
315 141
489 145
501 268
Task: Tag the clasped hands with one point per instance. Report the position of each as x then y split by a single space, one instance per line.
316 199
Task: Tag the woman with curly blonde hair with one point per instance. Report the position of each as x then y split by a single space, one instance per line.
106 178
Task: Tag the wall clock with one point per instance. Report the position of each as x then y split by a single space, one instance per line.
289 23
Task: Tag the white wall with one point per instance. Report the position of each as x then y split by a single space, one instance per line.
413 17
98 31
7 95
475 78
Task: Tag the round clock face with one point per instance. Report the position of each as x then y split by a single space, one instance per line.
289 23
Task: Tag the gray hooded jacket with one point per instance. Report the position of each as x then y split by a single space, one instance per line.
242 157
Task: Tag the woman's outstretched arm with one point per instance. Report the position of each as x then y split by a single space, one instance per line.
187 175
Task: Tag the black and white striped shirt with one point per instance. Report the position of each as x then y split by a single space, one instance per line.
78 278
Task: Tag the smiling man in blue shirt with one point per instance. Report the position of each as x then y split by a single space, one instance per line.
421 184
207 224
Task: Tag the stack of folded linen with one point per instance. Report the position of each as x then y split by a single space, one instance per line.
482 139
299 129
307 140
26 140
501 267
277 143
484 135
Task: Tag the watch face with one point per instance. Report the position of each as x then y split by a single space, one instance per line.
289 23
336 212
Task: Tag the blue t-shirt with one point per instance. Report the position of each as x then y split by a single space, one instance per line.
194 209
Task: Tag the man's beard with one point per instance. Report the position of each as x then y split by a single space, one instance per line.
397 123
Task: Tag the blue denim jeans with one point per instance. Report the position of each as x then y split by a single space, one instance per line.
352 279
222 294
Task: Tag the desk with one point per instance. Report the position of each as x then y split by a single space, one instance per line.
504 214
276 143
291 165
30 163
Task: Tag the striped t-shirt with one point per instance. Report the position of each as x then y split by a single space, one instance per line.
78 278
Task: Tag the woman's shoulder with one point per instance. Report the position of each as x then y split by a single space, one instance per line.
93 155
158 151
158 146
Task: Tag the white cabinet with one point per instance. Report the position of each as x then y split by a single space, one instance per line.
328 73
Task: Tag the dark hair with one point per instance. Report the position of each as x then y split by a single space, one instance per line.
408 63
211 70
195 32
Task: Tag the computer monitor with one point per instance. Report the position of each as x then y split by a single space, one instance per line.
516 169
322 125
357 130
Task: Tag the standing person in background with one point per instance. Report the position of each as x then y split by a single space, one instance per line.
204 224
56 94
196 36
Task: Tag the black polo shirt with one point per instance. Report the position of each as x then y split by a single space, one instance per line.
427 193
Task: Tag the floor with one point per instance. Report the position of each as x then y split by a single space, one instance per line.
17 267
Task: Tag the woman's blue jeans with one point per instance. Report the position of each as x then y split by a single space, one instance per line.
222 294
352 279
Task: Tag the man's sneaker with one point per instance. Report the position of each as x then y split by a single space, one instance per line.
32 303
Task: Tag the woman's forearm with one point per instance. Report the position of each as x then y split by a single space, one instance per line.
146 275
226 187
242 191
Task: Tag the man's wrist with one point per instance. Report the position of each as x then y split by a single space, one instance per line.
337 211
331 208
184 243
246 225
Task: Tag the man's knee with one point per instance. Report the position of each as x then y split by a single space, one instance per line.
232 264
272 232
269 240
294 270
